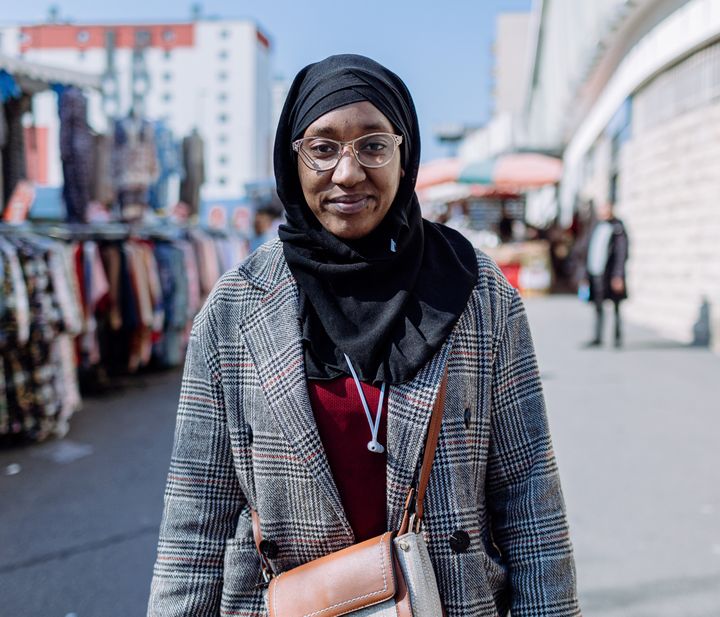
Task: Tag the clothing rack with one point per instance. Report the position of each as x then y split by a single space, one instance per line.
110 299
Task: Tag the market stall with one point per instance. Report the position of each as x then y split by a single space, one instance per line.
487 201
97 282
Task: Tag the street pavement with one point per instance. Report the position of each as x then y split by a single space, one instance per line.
636 434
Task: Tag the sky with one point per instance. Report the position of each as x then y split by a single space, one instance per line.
442 49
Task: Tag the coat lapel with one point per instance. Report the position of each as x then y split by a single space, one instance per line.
409 409
273 338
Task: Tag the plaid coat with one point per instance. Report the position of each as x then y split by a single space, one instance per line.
246 437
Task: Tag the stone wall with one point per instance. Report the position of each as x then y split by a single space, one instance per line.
670 201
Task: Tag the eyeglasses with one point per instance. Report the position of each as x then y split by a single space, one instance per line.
322 154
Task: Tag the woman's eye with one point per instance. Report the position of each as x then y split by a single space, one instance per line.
322 148
373 146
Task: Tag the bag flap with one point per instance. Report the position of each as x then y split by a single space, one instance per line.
339 583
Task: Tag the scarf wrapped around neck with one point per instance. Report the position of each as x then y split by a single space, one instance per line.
389 311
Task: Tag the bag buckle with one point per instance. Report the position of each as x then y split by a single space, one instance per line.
415 523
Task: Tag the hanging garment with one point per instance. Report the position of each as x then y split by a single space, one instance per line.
101 184
38 385
135 164
71 311
194 164
112 261
208 259
168 166
14 166
192 275
66 383
16 298
3 141
171 261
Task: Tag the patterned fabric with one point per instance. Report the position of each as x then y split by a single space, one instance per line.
14 164
30 326
76 151
134 158
245 436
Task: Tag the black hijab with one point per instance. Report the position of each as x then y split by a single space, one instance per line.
388 311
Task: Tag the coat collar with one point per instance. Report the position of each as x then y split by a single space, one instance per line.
272 334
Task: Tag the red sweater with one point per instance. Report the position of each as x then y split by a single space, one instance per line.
344 431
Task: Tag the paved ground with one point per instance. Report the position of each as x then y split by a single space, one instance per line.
636 433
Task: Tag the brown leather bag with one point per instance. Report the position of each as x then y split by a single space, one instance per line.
387 576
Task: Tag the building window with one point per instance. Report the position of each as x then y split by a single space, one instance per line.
83 36
167 97
222 76
223 54
167 76
224 34
167 54
222 180
222 138
222 97
223 118
168 36
81 55
682 88
223 160
142 38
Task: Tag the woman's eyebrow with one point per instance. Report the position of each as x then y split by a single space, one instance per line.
329 131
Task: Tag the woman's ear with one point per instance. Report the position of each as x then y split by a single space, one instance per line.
402 172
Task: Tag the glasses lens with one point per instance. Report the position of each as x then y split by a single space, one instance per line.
375 150
322 153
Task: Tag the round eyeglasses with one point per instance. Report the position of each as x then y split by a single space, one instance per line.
323 154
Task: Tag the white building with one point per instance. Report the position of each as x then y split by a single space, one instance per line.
213 75
629 92
511 59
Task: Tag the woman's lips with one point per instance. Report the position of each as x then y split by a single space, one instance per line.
349 205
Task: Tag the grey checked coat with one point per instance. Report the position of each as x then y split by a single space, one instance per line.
246 437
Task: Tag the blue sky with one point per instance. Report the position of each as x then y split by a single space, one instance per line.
441 48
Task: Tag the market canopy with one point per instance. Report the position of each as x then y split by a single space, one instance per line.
34 76
439 171
516 171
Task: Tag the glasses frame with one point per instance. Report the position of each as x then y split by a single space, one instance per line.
297 147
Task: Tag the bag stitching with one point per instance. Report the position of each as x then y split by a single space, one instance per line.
367 595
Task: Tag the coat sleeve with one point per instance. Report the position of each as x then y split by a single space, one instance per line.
528 519
619 252
202 497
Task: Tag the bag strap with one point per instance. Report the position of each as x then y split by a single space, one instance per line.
414 504
265 567
413 509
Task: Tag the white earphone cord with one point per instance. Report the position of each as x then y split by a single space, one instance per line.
374 426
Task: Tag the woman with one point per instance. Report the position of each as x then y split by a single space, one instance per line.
272 419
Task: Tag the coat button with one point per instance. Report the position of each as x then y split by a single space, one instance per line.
468 415
459 541
269 549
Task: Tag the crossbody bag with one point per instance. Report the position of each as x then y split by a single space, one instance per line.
390 575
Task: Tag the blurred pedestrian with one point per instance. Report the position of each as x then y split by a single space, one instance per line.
312 375
607 254
264 227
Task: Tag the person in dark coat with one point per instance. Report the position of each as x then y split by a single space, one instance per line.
607 254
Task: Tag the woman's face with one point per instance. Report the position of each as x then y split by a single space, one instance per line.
350 200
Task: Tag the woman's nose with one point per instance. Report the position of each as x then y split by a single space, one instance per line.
348 171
